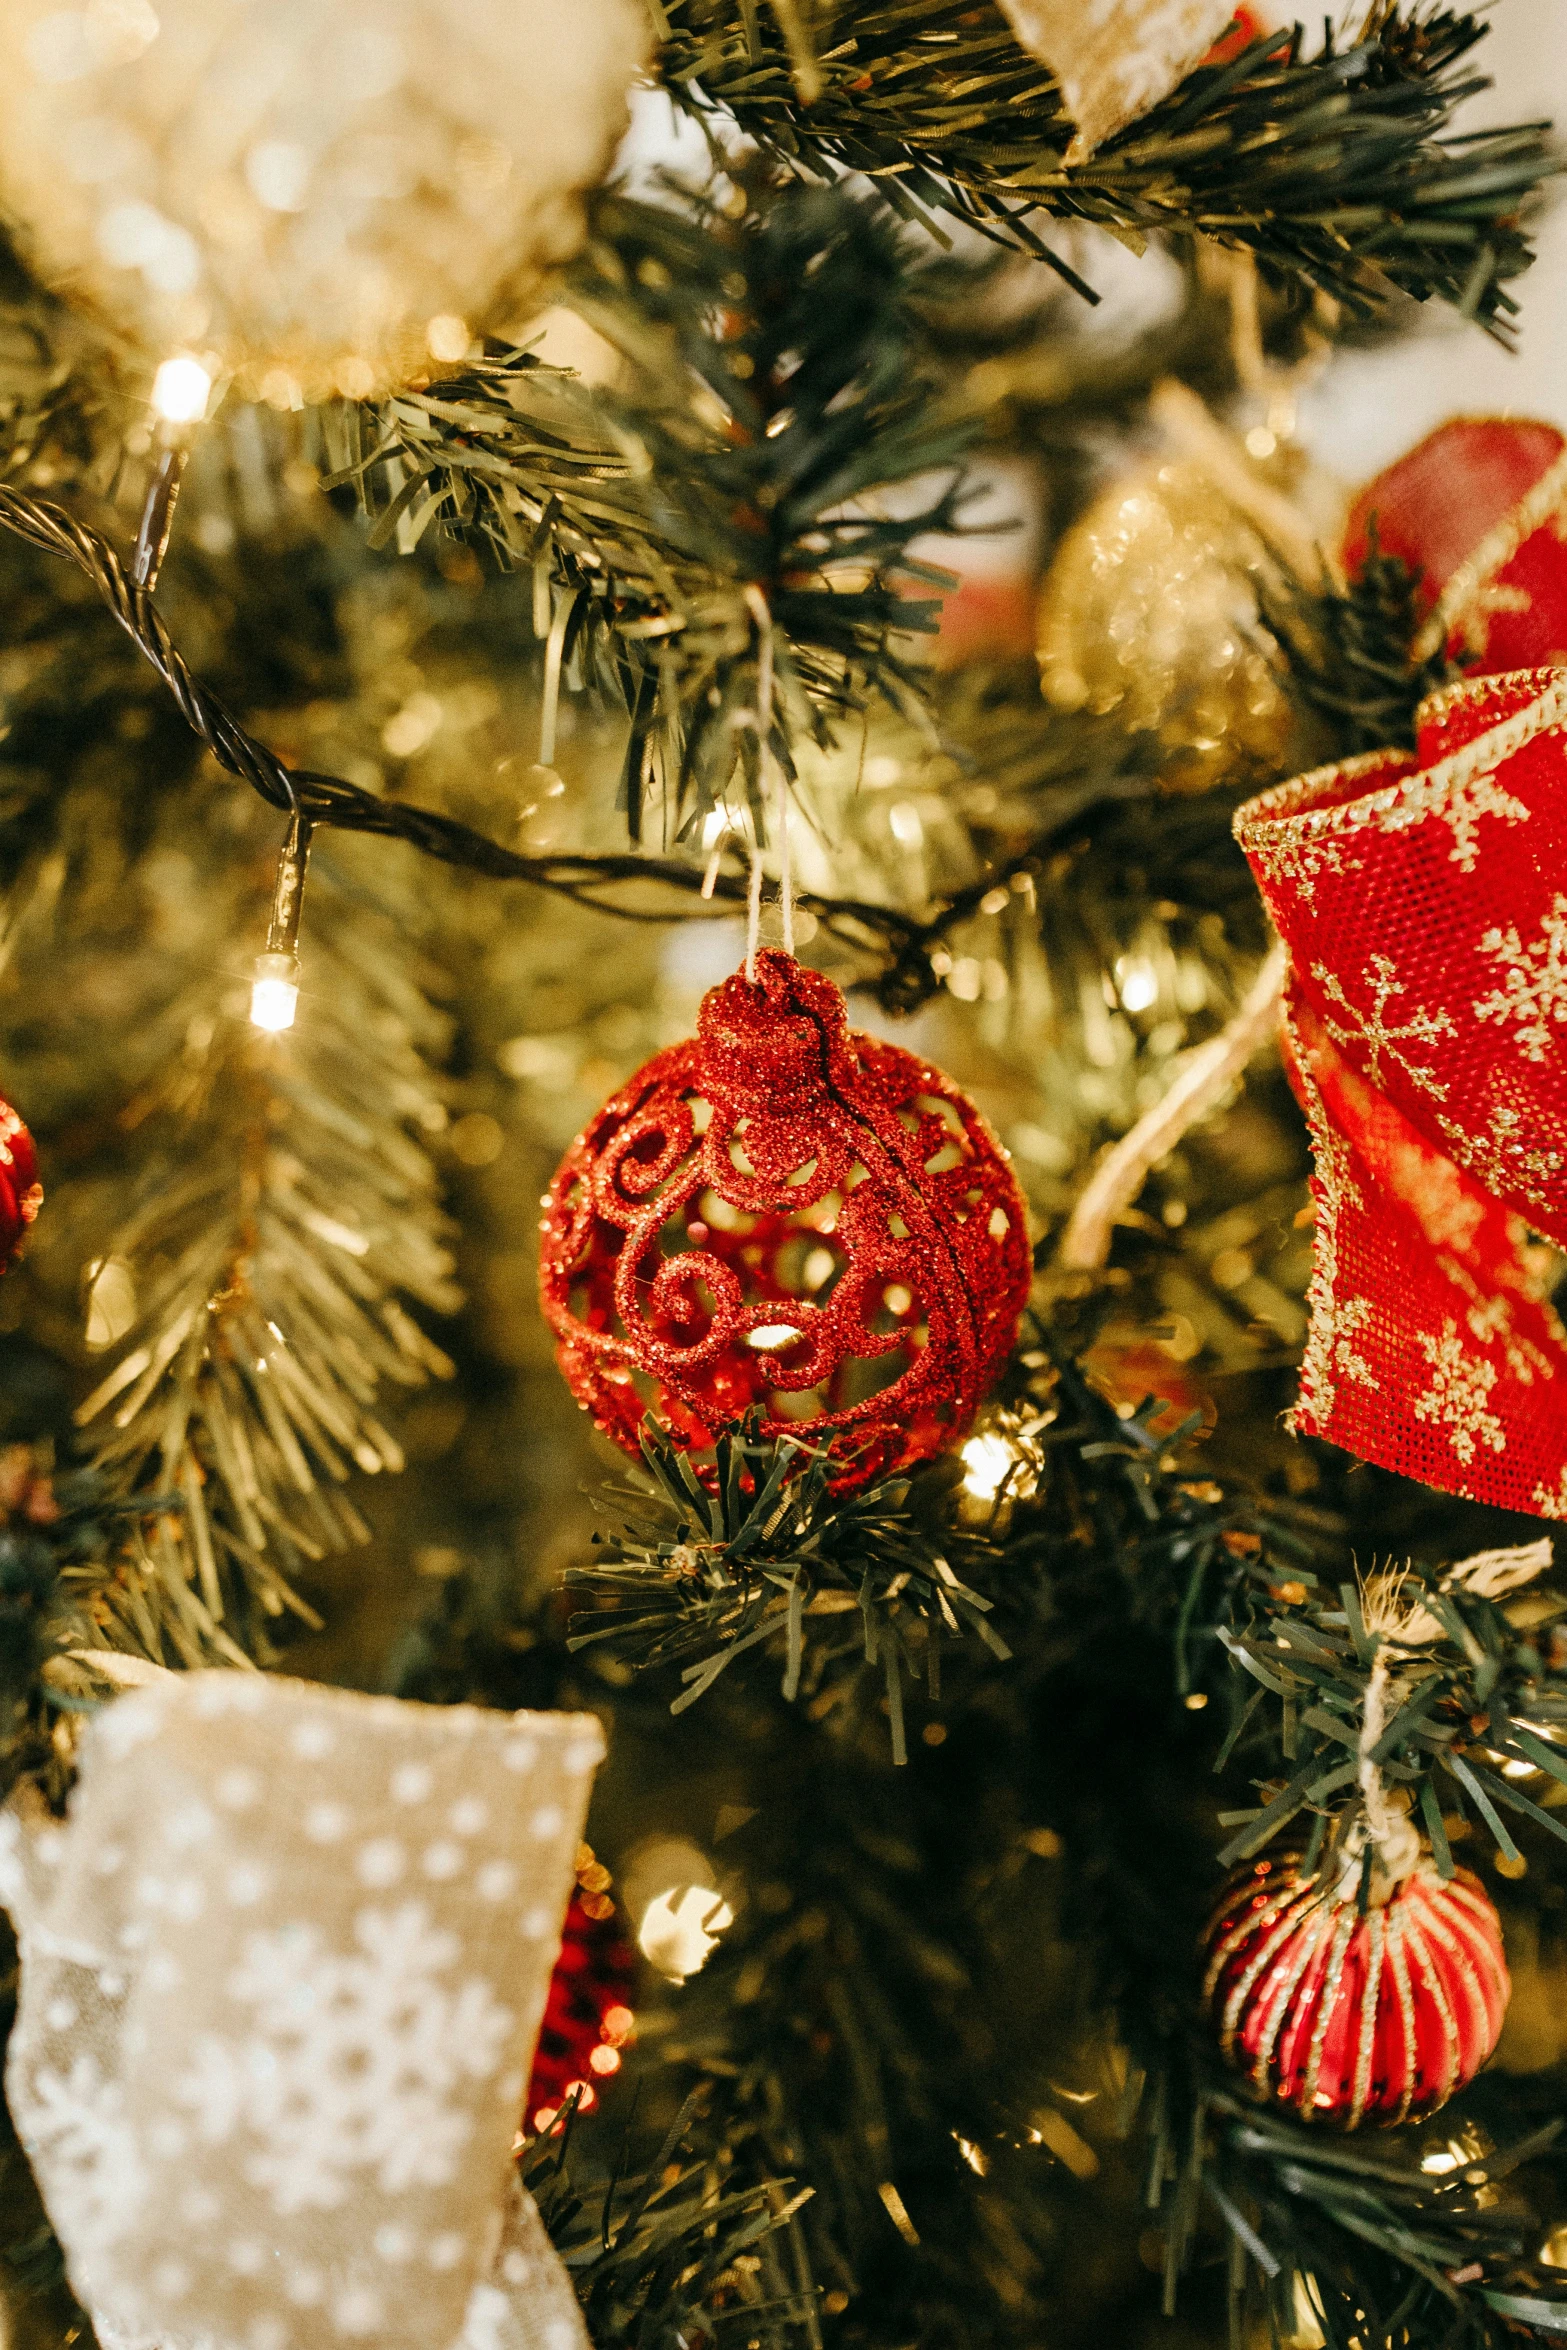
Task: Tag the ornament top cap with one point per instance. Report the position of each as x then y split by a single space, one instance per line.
775 1046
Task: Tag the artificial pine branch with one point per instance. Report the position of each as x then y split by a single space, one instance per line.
736 484
287 1207
770 1560
63 1540
673 2253
1331 168
1349 653
1085 769
860 2019
61 406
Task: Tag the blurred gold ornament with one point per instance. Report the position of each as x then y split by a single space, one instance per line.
1150 610
316 198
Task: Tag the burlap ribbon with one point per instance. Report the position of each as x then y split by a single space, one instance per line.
1423 901
282 1973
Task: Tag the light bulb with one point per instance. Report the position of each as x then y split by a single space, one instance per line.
274 993
180 390
986 1461
680 1929
1137 982
772 1338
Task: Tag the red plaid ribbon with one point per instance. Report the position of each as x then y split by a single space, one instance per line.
1423 901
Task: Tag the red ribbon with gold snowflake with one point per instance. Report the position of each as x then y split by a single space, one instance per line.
1423 902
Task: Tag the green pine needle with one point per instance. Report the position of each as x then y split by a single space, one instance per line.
761 470
1332 169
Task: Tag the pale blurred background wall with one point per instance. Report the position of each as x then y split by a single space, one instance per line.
1369 406
1372 404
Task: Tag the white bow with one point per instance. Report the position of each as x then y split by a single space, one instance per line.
283 1969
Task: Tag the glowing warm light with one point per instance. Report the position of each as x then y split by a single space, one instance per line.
180 390
714 826
680 1929
1445 2158
446 337
986 1461
605 2060
111 1302
772 1338
619 2024
274 993
1137 982
1307 2334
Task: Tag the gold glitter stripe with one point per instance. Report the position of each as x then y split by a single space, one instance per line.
1406 2007
1370 2002
1419 791
1474 1911
1413 1931
1257 820
1461 1960
1312 1934
1327 2000
1493 554
1268 1897
1472 1915
1276 1932
1255 1921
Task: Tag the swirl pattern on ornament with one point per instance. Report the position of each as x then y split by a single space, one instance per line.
784 1215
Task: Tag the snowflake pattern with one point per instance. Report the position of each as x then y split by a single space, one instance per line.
1460 802
1350 1317
77 2125
351 2062
1457 1396
1552 1501
1490 1319
1492 597
270 2049
1500 1158
1372 1031
1301 859
1533 993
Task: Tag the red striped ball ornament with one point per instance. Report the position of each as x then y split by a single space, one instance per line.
1350 2018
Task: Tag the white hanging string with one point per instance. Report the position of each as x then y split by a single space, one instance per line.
753 915
1204 1075
1390 1833
772 772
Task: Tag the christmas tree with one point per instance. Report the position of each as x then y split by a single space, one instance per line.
788 1034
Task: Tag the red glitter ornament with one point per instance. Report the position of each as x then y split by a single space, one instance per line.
1353 2018
587 2013
786 1215
21 1193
